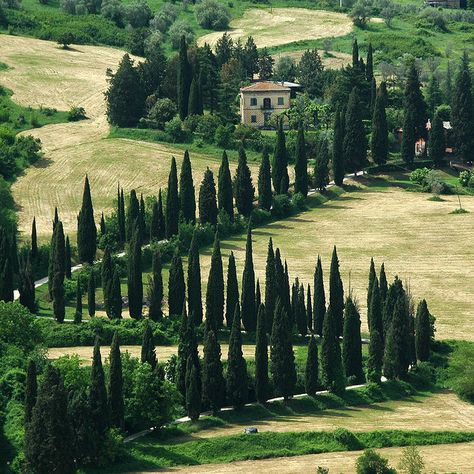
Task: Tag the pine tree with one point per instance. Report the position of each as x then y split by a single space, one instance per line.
232 291
408 137
107 270
155 288
115 296
172 202
336 293
115 391
98 393
422 332
236 377
437 141
312 367
375 360
207 199
379 137
183 79
270 287
280 177
355 142
31 390
176 286
262 389
48 437
148 352
282 358
301 165
34 240
157 224
352 343
372 277
224 184
332 372
265 183
338 149
134 280
309 309
187 194
213 382
301 317
26 285
215 289
321 167
59 304
193 392
78 312
243 186
383 284
86 230
249 316
133 214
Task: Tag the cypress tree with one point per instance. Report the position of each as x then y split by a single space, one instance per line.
3 248
301 165
415 102
249 316
309 310
67 259
34 240
183 79
187 194
265 183
133 213
338 149
86 230
193 391
195 102
243 186
121 216
142 234
280 162
172 202
155 288
258 296
48 437
59 304
134 280
422 332
224 184
157 226
373 94
355 54
282 365
115 297
355 142
262 389
107 271
312 366
213 382
383 284
31 390
102 226
301 317
294 303
26 285
369 67
207 199
183 350
215 289
332 372
148 352
336 293
376 310
321 167
286 294
352 343
375 360
270 287
379 137
98 393
434 96
115 392
78 312
408 137
236 377
372 277
176 286
319 306
232 291
437 141
91 294
395 291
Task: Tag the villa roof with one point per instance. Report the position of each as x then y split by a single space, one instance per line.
264 86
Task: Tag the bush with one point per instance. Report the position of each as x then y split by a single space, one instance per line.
207 126
298 201
163 111
347 439
138 14
372 463
282 206
76 113
165 17
174 128
152 42
419 176
212 15
179 29
465 178
114 10
223 136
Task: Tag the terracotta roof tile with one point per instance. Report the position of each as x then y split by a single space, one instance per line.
265 86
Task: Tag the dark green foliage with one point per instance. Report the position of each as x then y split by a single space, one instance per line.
321 166
244 189
422 332
155 288
184 79
236 377
98 393
133 214
67 259
265 183
157 225
134 280
148 352
4 245
258 295
215 289
59 303
107 271
26 285
371 462
352 344
383 284
372 277
300 316
282 358
48 438
195 100
78 311
393 293
301 165
176 286
34 240
249 315
434 96
121 216
375 322
86 230
375 360
309 72
6 266
183 351
336 293
332 372
437 141
369 67
102 226
309 309
270 287
232 291
224 192
415 102
187 196
194 282
31 390
262 389
193 390
207 199
312 368
338 149
379 137
280 176
141 221
172 202
408 137
355 54
115 392
115 297
355 142
213 382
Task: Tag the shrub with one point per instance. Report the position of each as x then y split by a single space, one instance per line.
138 14
464 178
419 176
282 206
361 13
152 42
223 136
165 17
179 29
372 463
163 111
347 439
114 10
76 113
244 133
212 15
299 202
174 128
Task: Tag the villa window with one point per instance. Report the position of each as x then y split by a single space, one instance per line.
253 101
253 118
281 101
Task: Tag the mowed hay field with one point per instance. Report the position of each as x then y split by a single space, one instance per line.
276 26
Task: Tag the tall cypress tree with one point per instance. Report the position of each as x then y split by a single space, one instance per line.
187 196
142 221
376 309
280 177
338 149
59 304
336 293
121 216
415 102
184 79
148 352
172 202
6 266
379 137
155 288
282 365
224 185
383 284
102 226
67 259
195 101
355 142
372 277
133 214
34 240
78 312
176 286
262 389
312 368
115 296
3 251
369 67
207 199
98 393
265 183
193 390
352 343
375 360
115 392
249 316
301 165
86 230
107 271
258 295
422 332
309 309
270 287
26 285
232 291
408 137
437 141
183 351
236 377
243 186
301 317
31 389
134 280
319 306
395 291
157 225
215 289
355 54
213 382
321 166
91 294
